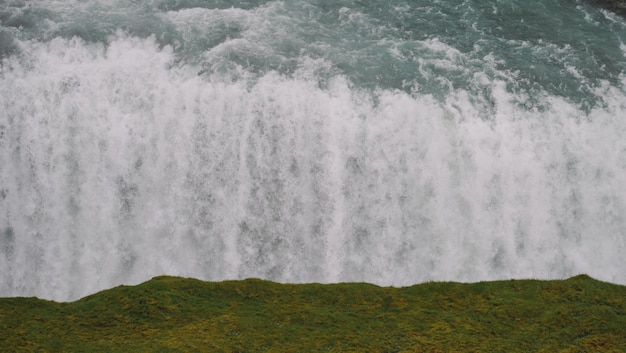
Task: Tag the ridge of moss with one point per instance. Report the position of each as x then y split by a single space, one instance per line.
174 314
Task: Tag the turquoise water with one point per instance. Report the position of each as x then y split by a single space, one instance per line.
390 142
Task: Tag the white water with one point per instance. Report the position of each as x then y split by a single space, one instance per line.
117 164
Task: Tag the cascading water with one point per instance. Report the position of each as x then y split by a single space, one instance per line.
393 142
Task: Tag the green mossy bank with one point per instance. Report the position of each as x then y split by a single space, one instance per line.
171 314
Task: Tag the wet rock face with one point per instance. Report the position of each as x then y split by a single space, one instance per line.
616 6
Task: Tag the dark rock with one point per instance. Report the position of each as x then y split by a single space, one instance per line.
616 6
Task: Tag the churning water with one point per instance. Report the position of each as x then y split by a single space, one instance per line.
393 142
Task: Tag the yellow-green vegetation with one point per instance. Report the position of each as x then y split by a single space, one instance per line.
171 314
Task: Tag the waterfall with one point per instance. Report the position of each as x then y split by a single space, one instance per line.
309 142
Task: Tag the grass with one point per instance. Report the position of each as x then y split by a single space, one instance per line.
171 314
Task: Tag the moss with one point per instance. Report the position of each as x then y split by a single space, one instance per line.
170 314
